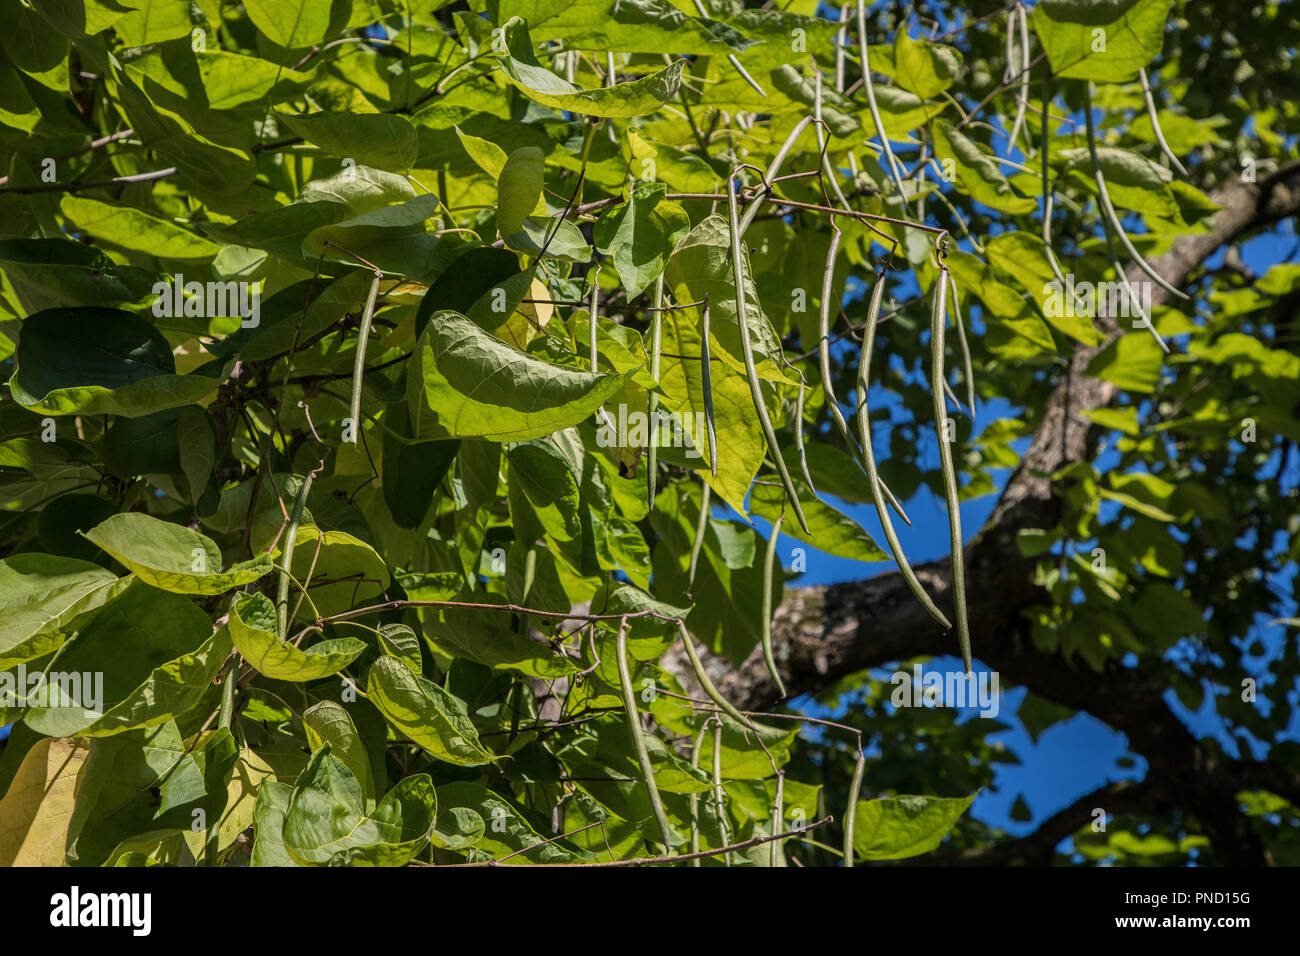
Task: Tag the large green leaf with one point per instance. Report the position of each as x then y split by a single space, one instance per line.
424 712
171 556
92 361
40 595
381 140
325 823
466 383
290 23
895 828
145 673
1103 40
253 627
635 98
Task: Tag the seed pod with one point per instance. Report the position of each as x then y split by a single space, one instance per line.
869 459
638 741
656 352
938 319
851 814
769 562
751 371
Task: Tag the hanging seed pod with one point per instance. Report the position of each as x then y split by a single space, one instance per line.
778 815
751 371
891 161
718 794
694 798
769 568
638 741
656 352
1155 123
851 813
701 524
706 383
1044 149
938 319
863 416
1112 217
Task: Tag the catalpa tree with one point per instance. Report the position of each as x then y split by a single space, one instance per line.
416 412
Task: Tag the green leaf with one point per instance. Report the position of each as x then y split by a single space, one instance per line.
148 673
381 140
546 478
519 188
1103 40
638 234
253 628
171 556
97 361
425 713
829 530
466 383
290 23
40 595
328 723
1133 361
978 173
896 828
325 823
635 98
129 228
924 68
506 828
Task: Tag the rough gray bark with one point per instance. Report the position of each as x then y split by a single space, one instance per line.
821 634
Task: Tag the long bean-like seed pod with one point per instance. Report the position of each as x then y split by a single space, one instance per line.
701 524
824 365
656 352
892 162
710 690
706 383
1103 194
1155 122
841 40
747 350
851 813
286 559
869 458
798 439
1044 149
638 741
828 172
967 369
773 170
938 319
718 794
769 569
778 817
1019 16
359 364
695 797
823 343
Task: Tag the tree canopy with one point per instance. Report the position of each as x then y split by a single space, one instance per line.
419 416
